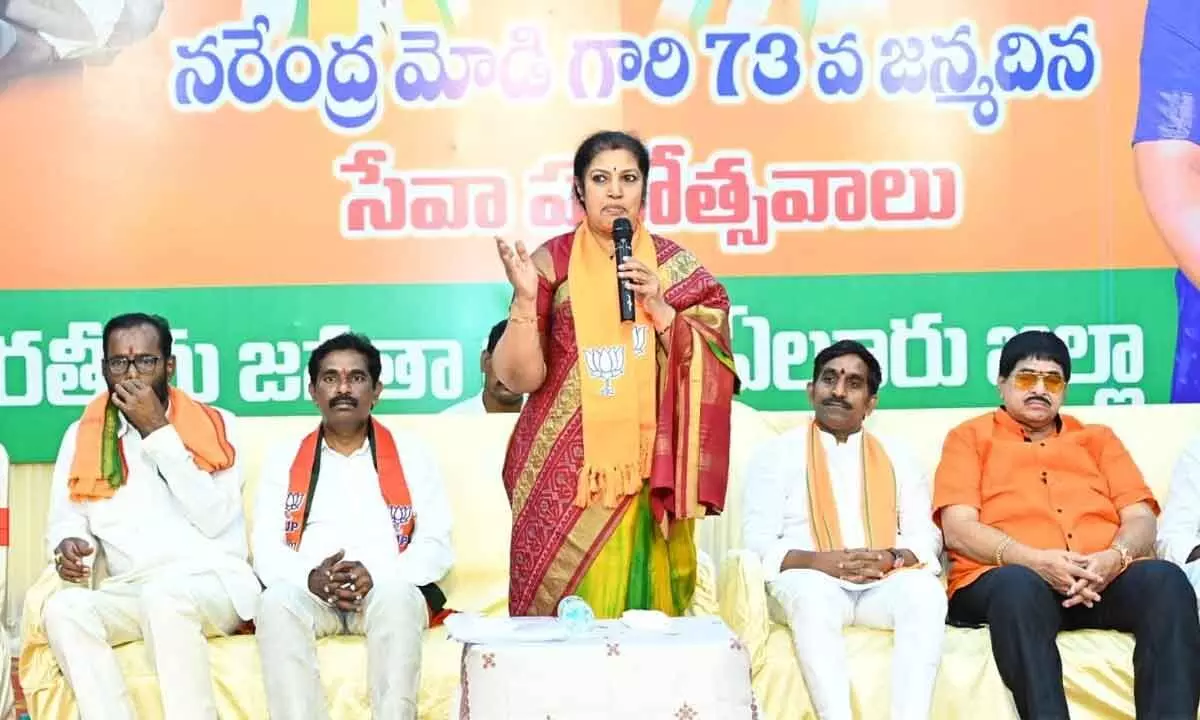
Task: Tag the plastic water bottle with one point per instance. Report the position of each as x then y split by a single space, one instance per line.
576 615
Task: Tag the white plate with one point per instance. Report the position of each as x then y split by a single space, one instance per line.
648 621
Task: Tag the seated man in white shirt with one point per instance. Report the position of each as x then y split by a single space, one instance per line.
1178 539
150 476
351 535
842 522
495 397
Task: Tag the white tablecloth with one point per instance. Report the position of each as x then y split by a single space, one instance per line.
698 672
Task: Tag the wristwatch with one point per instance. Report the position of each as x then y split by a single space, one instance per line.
1126 556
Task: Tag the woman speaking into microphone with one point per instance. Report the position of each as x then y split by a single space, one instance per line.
624 440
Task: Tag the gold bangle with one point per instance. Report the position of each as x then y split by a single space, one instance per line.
1000 550
531 319
1123 551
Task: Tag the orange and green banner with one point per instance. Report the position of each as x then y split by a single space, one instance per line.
928 176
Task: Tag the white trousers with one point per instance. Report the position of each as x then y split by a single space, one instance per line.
173 613
817 607
290 620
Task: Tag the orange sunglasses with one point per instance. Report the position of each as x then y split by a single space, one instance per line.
1027 380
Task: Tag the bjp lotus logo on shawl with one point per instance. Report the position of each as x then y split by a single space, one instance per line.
401 514
317 20
641 335
605 363
292 502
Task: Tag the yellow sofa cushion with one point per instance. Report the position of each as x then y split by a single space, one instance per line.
1097 674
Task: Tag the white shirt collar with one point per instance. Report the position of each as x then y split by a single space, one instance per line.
365 449
829 441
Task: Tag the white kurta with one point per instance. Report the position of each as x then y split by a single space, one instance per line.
174 538
775 520
348 513
1179 524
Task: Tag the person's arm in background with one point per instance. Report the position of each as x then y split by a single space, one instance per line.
1165 142
1179 526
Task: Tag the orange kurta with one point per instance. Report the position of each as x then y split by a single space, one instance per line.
1063 492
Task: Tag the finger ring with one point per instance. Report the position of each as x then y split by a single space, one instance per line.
358 598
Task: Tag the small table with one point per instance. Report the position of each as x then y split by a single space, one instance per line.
700 671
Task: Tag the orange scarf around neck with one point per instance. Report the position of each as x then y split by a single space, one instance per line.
302 481
306 468
99 467
880 517
618 373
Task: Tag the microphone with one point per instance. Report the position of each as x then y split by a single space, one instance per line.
622 232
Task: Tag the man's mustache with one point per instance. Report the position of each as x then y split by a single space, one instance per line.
343 400
1037 398
838 403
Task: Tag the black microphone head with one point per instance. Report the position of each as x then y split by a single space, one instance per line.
622 230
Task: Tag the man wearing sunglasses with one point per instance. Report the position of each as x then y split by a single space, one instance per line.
1050 526
150 477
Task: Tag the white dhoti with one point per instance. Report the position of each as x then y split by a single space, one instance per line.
173 613
817 607
290 620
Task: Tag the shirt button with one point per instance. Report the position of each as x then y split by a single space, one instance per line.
1059 511
1069 536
